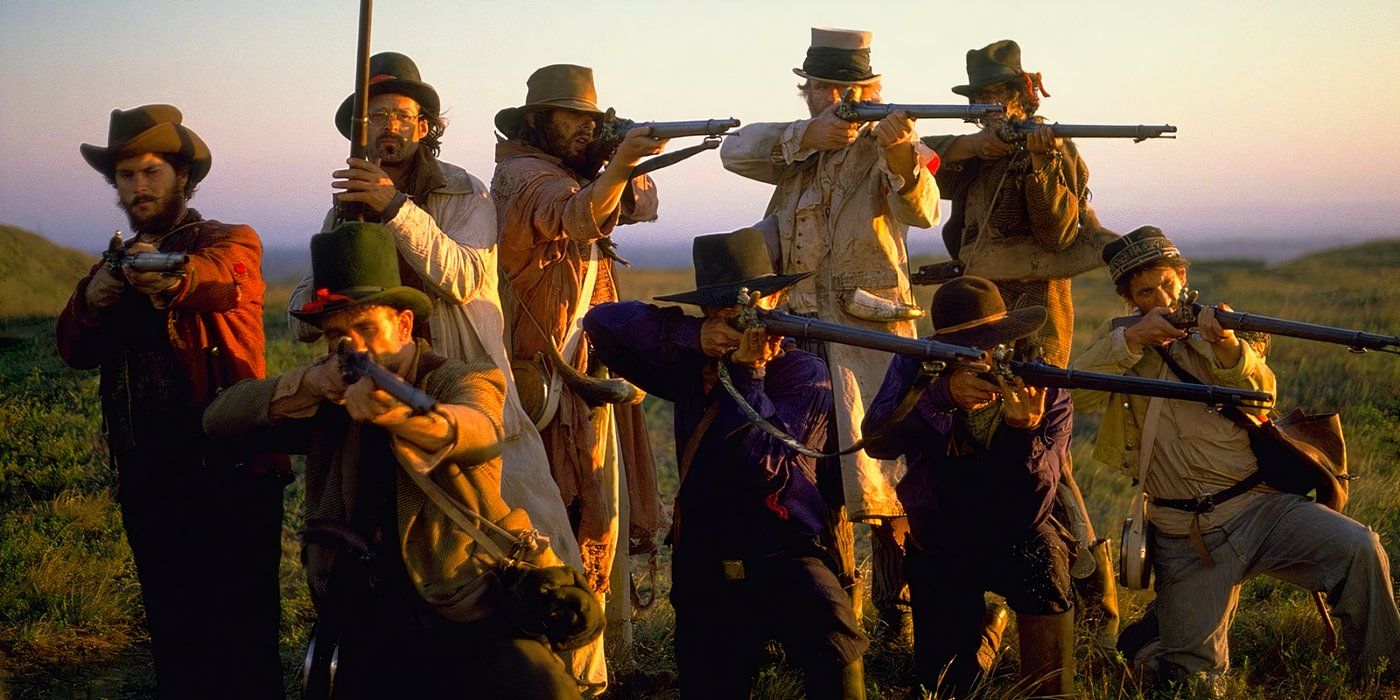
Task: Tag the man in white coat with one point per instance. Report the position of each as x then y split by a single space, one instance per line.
444 227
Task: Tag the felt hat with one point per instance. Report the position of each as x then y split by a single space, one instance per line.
356 264
1136 250
558 86
149 129
728 262
994 63
839 57
396 74
969 311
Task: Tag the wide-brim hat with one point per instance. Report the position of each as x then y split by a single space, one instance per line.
560 86
149 129
726 263
396 74
839 57
970 311
994 63
353 265
1137 249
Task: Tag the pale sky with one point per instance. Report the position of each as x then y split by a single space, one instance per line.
1286 110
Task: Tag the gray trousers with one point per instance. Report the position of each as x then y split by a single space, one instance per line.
1289 538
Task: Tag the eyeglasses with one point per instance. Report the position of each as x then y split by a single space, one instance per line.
381 118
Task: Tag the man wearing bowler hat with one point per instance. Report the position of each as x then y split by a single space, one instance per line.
444 229
1214 524
749 564
1020 217
556 211
203 517
984 459
845 198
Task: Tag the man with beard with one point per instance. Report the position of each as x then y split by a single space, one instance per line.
444 228
203 518
843 205
555 211
1021 218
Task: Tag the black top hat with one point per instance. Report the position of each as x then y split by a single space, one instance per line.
838 56
994 63
1136 250
356 264
970 311
149 129
728 262
392 73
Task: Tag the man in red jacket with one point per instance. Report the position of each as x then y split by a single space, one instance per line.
203 518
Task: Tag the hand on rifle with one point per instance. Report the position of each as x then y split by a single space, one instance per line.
985 144
1223 342
971 391
894 129
150 283
828 132
718 336
1152 329
324 379
365 182
366 402
638 144
1021 406
756 348
103 289
1042 141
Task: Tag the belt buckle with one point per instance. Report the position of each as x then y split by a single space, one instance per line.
1204 503
732 569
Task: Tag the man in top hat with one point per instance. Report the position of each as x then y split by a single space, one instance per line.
1021 217
984 458
203 518
555 213
844 201
748 564
444 228
407 588
1213 523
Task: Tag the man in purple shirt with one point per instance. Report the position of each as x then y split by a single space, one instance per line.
984 458
748 565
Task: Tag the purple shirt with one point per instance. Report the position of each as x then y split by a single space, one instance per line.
746 493
959 493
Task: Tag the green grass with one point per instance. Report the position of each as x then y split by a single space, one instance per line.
70 619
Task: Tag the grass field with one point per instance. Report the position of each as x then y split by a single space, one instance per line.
70 618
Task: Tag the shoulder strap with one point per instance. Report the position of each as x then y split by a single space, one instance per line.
1234 414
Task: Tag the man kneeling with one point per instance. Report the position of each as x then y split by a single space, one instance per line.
406 585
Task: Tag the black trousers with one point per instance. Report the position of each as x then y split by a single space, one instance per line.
207 544
722 624
948 586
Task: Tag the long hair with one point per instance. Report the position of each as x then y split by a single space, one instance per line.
433 141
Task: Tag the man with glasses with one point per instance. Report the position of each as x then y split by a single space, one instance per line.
444 227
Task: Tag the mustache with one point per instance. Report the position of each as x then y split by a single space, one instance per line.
142 199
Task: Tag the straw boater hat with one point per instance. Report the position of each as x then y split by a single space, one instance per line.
969 311
728 262
396 74
558 86
1136 250
839 57
356 265
149 129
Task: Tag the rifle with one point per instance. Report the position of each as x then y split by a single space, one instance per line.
117 259
359 116
1043 375
1185 315
1015 132
358 364
857 112
612 129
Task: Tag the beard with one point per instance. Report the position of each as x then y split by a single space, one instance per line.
392 149
168 210
584 158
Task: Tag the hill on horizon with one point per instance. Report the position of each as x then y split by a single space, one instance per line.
36 275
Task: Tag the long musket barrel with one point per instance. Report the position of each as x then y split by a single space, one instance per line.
1035 374
356 364
697 127
359 111
875 111
792 326
1358 341
1136 132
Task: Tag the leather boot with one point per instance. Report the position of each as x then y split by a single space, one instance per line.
993 626
1047 653
827 683
1098 597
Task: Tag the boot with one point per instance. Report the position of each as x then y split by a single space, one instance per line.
1047 653
828 683
895 631
993 626
1098 597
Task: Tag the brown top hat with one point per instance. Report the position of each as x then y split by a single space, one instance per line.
994 63
969 311
149 129
838 56
395 74
560 85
